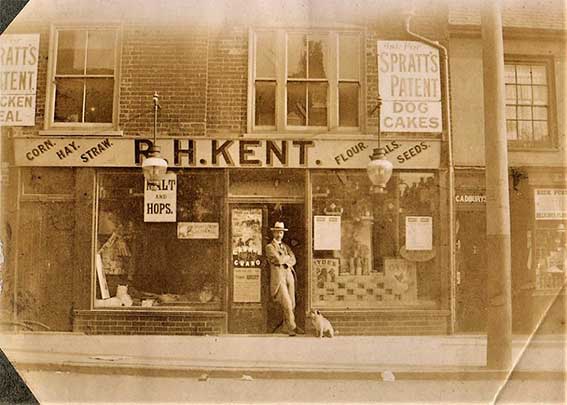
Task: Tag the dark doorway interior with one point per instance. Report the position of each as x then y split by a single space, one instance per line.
471 298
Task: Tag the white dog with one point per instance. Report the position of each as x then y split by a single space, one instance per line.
321 324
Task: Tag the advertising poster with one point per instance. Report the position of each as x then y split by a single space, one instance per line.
327 232
160 200
19 55
550 204
410 87
247 284
198 230
419 233
246 237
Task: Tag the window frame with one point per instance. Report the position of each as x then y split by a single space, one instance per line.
73 127
551 141
281 80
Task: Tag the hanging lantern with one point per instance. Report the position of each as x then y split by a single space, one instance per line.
154 166
379 171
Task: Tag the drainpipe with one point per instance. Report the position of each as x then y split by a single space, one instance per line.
449 139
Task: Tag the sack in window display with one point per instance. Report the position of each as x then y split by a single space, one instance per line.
122 299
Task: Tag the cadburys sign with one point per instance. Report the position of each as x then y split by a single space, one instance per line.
410 87
238 152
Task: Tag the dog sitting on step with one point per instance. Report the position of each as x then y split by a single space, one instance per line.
323 327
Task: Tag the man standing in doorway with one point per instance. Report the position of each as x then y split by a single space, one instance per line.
282 275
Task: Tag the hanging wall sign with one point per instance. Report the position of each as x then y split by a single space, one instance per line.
18 77
160 201
198 230
410 87
550 203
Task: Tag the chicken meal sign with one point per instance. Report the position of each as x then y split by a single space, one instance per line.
410 87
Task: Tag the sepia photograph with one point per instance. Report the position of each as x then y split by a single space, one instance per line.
283 201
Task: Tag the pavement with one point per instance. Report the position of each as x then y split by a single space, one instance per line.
452 357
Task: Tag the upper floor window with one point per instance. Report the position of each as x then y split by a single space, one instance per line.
528 106
83 85
306 80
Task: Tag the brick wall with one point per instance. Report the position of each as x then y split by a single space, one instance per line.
173 62
386 323
149 323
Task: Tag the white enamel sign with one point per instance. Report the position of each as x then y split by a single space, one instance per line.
19 55
160 201
410 87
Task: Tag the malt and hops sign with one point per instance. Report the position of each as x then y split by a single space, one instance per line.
18 78
160 200
410 87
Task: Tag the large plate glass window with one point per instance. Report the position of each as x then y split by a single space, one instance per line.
159 264
84 76
375 251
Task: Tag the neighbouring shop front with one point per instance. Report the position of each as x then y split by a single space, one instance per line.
187 257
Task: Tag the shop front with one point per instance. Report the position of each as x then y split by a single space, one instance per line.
188 256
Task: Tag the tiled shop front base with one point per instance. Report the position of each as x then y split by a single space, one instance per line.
149 323
388 322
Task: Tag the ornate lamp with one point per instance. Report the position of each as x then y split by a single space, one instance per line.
154 165
379 169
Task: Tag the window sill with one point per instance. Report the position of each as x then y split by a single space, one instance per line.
103 132
547 149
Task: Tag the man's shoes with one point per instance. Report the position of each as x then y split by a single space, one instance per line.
292 332
299 331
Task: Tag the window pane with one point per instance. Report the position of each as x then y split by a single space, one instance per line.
540 130
100 53
540 95
296 56
511 112
69 100
71 52
511 94
348 104
98 106
525 130
510 73
317 104
540 113
265 55
349 57
525 113
523 74
265 107
524 94
511 130
539 75
296 105
317 57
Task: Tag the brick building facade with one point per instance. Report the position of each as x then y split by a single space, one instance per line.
267 113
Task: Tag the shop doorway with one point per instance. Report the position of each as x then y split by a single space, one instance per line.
251 308
471 272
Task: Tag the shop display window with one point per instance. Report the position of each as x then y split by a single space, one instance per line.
159 264
550 255
375 250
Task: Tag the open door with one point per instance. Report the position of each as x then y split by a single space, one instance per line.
252 310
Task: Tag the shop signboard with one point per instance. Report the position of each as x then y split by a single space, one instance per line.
19 55
409 86
160 200
550 204
94 151
197 230
419 233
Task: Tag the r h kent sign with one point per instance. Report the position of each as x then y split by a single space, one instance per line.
410 87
